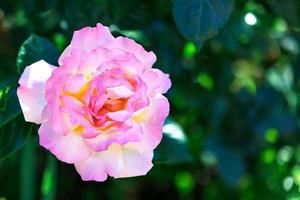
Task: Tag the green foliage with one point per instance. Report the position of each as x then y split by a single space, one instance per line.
13 135
131 14
36 48
199 20
293 7
9 105
13 130
233 129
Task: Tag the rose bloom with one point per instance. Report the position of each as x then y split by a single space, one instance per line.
102 109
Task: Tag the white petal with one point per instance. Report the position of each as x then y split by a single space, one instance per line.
31 92
135 163
100 164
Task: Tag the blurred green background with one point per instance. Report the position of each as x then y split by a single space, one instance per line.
233 129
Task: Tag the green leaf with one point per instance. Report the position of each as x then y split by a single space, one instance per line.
13 136
173 148
36 48
198 20
9 106
13 129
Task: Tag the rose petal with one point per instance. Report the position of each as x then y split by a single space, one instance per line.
130 46
87 39
92 169
76 84
35 75
72 62
69 148
32 104
135 163
151 119
90 64
118 92
119 116
98 165
161 84
31 92
118 135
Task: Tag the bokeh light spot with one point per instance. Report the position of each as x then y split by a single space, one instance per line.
268 156
288 183
296 174
208 158
174 131
189 50
271 135
284 155
184 182
205 81
250 19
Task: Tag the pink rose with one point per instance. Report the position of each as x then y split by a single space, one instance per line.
102 109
